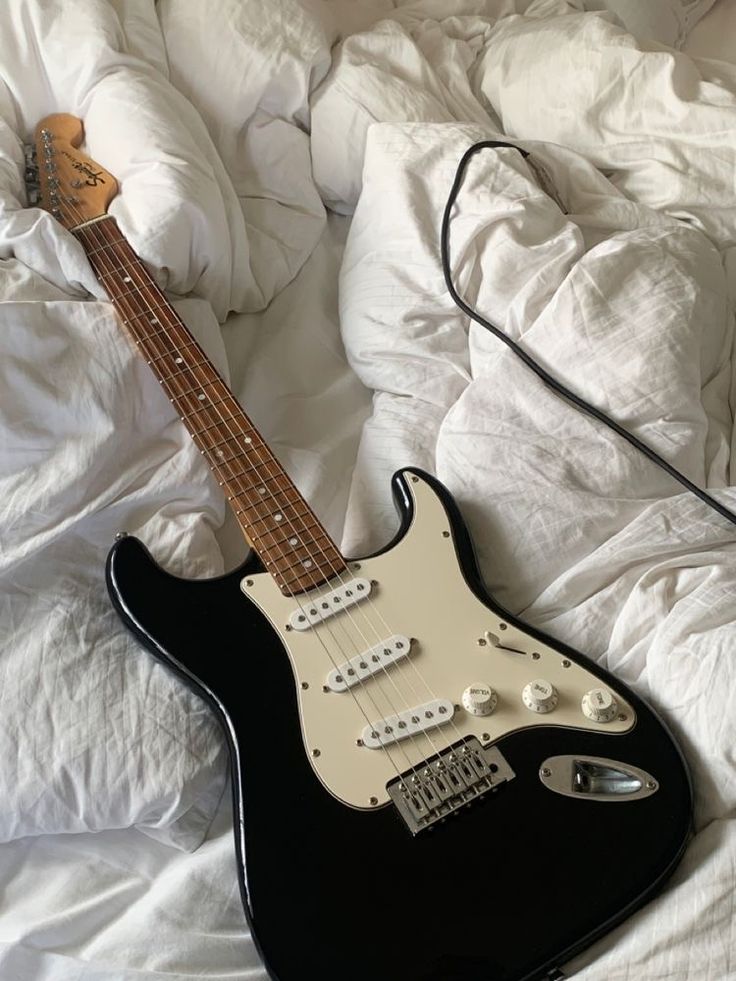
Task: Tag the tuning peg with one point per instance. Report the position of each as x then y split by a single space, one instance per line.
31 175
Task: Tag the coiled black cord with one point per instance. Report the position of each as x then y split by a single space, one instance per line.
529 361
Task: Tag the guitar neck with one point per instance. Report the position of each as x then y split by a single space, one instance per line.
290 540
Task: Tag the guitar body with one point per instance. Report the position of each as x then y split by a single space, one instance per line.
335 884
424 788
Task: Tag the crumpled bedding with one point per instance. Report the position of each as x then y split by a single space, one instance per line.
229 147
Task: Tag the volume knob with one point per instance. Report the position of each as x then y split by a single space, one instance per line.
599 705
479 699
540 696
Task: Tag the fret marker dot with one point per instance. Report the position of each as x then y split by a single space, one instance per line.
154 320
279 517
307 563
221 453
127 279
201 396
261 490
293 541
178 360
247 439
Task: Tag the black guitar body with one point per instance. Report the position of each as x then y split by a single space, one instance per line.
508 888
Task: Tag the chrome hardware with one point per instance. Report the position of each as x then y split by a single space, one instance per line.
448 782
495 641
596 778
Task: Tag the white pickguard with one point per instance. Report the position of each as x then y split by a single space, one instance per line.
418 591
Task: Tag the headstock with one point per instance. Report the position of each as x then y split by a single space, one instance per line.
67 183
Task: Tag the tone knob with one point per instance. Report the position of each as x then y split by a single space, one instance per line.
479 699
599 705
540 695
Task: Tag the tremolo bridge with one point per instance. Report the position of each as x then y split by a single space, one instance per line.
443 785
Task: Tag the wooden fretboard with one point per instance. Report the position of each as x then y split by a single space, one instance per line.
291 542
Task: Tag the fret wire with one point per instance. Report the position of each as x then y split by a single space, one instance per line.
216 425
257 470
175 352
136 292
309 553
249 470
260 500
320 568
254 441
102 248
300 554
122 269
191 367
236 457
265 480
205 408
228 439
171 354
153 333
194 391
287 511
289 581
270 518
290 534
295 565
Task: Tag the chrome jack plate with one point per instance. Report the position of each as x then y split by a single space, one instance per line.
596 778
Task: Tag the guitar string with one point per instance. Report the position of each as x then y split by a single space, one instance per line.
392 677
442 725
400 673
394 747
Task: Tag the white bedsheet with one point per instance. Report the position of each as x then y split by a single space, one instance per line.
573 530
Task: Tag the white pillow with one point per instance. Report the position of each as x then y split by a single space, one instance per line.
665 21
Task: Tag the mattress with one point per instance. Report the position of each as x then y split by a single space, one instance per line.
276 189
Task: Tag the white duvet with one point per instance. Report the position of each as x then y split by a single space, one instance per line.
626 293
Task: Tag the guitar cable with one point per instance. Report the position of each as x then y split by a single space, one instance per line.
549 380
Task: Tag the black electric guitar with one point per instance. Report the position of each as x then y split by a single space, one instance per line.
424 786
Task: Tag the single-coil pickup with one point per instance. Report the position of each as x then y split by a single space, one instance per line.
419 719
315 609
376 658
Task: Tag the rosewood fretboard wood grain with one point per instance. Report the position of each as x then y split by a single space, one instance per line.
283 529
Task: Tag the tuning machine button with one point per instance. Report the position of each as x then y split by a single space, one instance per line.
540 696
479 699
599 705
